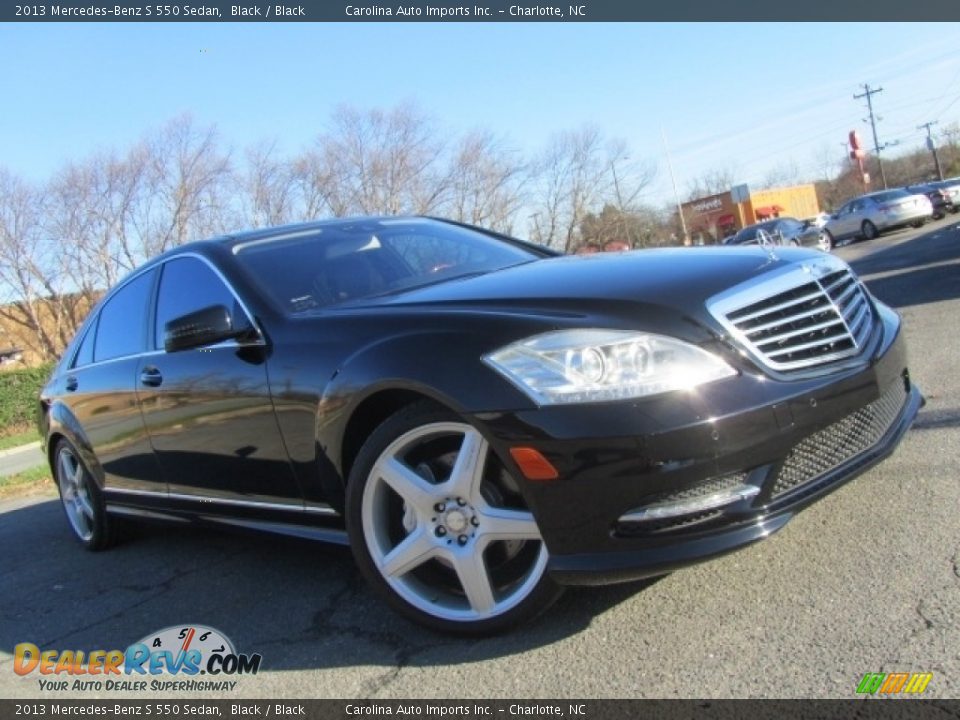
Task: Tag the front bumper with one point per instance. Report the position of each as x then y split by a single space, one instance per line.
794 439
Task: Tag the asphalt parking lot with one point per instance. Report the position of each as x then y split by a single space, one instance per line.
867 580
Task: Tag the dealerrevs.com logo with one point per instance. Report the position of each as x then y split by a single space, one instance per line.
170 659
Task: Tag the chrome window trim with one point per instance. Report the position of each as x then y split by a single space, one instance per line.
316 509
259 342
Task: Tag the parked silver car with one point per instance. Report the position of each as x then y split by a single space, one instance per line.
869 215
951 189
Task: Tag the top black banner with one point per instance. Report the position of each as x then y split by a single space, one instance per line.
578 11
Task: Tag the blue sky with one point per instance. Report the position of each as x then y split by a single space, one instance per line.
749 97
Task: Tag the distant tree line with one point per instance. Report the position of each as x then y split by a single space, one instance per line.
64 241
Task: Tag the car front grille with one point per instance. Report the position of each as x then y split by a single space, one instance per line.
843 440
799 320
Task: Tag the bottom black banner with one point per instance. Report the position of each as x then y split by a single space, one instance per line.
914 709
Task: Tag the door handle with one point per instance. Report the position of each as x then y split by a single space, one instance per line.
151 377
71 383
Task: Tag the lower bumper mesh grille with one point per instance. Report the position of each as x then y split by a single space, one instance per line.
835 444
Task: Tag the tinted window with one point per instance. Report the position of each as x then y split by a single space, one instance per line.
84 354
120 330
187 285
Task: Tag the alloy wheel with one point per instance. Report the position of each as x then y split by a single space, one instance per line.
440 530
75 494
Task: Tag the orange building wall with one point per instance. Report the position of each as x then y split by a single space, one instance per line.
799 201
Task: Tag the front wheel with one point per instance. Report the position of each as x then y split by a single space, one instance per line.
439 526
82 502
825 241
869 230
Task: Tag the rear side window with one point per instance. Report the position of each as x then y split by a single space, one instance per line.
187 285
84 354
123 320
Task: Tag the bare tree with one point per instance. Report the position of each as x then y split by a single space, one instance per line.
712 182
268 187
29 291
578 173
186 196
377 162
486 181
783 175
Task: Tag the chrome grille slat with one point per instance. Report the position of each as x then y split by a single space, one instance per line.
806 346
852 288
799 317
782 306
793 318
802 331
841 278
855 323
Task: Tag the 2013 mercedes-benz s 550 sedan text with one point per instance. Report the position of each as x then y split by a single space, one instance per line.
481 420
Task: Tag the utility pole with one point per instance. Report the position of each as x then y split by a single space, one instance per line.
868 94
933 148
676 194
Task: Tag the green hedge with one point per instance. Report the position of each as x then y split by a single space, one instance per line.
18 397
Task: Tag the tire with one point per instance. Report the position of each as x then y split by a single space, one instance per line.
826 241
869 230
82 500
439 528
918 223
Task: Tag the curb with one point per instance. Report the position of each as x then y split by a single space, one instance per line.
20 448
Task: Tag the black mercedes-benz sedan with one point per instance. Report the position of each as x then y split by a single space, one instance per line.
482 421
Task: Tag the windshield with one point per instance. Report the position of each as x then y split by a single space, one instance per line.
307 269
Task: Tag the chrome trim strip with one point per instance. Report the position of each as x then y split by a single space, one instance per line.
316 509
664 511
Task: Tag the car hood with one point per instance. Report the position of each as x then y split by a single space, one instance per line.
679 277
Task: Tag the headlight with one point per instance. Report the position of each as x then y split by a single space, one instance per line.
579 366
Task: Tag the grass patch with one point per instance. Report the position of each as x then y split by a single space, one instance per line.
29 481
24 437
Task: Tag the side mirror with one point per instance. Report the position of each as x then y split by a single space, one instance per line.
204 327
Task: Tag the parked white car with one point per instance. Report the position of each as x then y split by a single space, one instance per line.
869 215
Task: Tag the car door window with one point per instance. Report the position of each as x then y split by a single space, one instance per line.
84 355
188 284
122 324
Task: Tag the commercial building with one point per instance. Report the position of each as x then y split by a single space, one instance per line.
712 218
